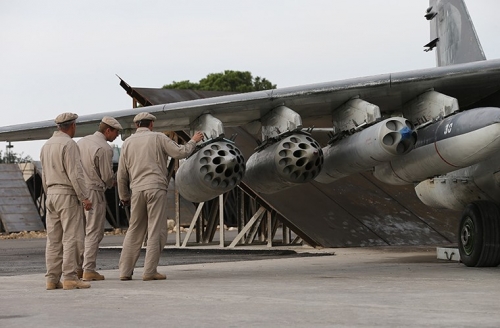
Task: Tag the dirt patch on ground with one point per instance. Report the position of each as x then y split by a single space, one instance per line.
43 234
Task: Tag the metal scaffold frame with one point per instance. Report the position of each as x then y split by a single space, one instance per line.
256 220
256 223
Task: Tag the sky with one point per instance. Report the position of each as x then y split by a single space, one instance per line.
63 55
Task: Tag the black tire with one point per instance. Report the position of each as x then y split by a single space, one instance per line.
479 235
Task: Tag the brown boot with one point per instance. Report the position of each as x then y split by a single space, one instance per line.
53 285
79 273
75 284
92 275
156 276
125 278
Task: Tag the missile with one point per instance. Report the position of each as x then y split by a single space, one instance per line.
362 151
452 143
296 158
214 169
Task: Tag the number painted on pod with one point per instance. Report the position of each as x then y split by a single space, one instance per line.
448 127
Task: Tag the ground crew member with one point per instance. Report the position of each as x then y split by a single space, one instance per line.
97 163
142 183
64 185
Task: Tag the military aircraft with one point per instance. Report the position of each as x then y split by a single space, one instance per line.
436 128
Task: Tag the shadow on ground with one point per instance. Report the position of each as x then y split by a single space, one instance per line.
15 262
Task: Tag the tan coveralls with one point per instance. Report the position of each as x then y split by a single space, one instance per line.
64 184
143 169
97 162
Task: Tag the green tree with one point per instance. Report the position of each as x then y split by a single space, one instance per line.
15 158
186 84
233 81
262 84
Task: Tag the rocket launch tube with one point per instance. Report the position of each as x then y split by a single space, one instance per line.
293 160
361 151
216 168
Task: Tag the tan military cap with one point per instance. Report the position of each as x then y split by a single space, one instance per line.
65 117
144 116
112 122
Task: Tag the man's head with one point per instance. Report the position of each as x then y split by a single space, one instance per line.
144 120
110 127
66 123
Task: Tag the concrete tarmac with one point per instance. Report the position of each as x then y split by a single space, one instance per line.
358 287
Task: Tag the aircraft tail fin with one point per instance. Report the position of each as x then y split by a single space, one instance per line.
452 33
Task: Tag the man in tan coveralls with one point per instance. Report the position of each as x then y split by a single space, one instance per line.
97 162
142 172
64 185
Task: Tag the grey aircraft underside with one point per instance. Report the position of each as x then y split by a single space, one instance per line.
437 128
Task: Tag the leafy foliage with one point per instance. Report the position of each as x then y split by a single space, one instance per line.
186 84
14 158
233 81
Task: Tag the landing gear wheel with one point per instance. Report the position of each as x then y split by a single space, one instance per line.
479 235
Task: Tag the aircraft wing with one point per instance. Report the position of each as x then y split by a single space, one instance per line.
469 83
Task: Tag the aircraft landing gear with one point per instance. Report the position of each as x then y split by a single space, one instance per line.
479 235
